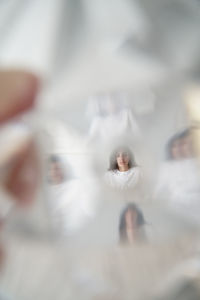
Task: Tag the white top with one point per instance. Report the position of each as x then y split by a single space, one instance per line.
114 125
178 184
123 180
71 204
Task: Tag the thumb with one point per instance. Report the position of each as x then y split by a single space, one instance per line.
17 93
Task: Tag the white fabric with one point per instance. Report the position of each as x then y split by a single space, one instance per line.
71 204
124 180
178 185
114 125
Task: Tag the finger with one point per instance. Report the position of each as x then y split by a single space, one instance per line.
18 90
23 179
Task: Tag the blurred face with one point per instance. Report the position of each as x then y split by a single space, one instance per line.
56 173
186 147
131 219
123 160
175 150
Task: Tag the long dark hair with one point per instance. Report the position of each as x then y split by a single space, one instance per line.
113 158
122 222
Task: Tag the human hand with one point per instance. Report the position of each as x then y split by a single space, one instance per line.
18 90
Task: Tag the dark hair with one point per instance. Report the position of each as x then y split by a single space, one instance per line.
113 158
173 139
122 222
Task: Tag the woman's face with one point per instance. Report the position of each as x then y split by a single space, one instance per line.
122 159
186 147
56 173
175 150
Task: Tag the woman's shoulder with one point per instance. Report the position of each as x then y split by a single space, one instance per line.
132 171
137 170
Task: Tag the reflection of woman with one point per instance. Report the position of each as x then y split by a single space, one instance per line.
178 180
180 146
131 226
68 199
56 174
123 172
113 119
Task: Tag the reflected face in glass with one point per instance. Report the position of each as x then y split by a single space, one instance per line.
56 173
131 219
175 150
122 160
186 147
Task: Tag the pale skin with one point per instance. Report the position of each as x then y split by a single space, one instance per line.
175 150
122 161
182 148
131 225
186 148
